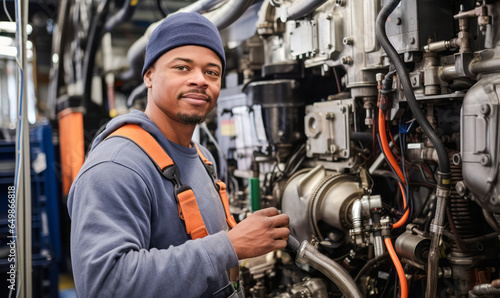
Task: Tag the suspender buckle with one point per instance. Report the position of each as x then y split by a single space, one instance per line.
173 174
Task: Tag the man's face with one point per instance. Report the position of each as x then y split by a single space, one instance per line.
185 83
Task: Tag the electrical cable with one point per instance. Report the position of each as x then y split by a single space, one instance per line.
368 266
212 139
161 9
399 267
6 11
402 144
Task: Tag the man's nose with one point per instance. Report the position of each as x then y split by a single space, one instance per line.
198 78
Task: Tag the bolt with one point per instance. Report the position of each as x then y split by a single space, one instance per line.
398 21
412 40
485 160
348 41
462 190
342 109
330 116
333 148
485 109
346 60
340 2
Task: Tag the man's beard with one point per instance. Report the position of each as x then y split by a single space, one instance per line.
190 119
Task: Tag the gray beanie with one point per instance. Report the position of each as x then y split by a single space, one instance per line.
182 29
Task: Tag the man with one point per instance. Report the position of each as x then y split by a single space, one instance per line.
127 238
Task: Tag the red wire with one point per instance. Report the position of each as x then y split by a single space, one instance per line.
399 268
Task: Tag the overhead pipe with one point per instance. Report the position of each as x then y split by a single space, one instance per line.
299 9
229 13
222 17
135 54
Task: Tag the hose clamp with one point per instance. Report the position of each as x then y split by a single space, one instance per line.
436 229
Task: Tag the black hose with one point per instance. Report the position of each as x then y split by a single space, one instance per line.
100 26
444 164
94 39
292 244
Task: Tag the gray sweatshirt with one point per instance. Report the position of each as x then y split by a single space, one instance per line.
127 239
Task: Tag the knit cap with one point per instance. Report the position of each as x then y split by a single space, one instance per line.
182 29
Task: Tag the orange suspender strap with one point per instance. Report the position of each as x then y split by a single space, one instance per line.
189 211
221 187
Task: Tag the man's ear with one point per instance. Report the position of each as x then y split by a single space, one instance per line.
148 77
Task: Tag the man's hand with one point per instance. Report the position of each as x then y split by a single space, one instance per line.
263 231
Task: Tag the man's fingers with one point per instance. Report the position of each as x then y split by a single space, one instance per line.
271 211
279 244
281 233
281 220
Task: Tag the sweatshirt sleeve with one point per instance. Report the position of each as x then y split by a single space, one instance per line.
110 208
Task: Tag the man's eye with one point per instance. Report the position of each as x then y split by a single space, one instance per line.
183 68
212 73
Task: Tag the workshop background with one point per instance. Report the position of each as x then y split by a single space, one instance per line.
374 124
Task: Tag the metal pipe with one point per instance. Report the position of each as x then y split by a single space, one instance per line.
433 259
228 13
356 214
299 9
485 66
378 246
448 73
485 289
307 254
201 6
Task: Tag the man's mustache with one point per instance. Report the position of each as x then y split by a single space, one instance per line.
198 91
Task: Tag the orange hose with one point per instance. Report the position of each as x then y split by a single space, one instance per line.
385 146
401 273
405 216
394 164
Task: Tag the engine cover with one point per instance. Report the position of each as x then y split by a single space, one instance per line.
480 146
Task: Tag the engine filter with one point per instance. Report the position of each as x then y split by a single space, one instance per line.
282 107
